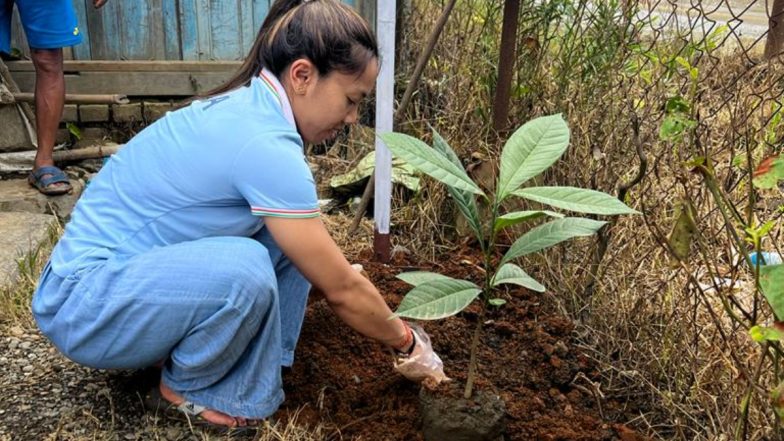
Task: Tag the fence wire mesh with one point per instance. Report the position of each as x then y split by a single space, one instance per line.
672 106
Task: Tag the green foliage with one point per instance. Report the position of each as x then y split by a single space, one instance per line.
762 334
74 130
551 233
678 120
769 173
772 285
530 150
417 278
513 274
430 162
437 299
576 199
517 217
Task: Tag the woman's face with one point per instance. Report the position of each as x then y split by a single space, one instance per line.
324 105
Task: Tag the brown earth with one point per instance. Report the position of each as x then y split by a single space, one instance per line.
527 356
340 380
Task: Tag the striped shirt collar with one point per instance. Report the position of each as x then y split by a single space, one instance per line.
274 86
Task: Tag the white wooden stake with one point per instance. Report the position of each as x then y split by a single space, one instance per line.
385 98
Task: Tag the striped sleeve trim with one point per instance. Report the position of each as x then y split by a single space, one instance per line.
276 212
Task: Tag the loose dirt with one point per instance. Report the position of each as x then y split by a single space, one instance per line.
527 356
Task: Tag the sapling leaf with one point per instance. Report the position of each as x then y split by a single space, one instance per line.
437 299
428 161
772 285
513 274
518 217
551 233
576 199
419 277
464 199
530 150
497 302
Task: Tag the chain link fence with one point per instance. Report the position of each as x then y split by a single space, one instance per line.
672 107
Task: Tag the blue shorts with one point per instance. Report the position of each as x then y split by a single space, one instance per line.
48 24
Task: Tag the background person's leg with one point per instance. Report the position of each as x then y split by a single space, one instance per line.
209 306
49 101
50 25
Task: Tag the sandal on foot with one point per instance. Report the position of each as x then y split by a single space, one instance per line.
186 412
55 176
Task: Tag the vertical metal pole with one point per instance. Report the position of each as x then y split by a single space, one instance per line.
385 98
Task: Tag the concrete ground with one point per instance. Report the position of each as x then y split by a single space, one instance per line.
26 218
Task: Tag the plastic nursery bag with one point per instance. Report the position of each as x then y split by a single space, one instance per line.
423 363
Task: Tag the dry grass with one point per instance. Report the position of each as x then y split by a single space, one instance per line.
666 345
15 297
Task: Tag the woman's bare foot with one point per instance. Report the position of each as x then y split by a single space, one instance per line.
213 416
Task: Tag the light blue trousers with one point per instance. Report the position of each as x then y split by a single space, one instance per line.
225 312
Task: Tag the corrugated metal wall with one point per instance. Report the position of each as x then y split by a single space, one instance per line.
170 29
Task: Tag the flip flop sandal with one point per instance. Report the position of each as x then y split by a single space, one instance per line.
37 180
186 412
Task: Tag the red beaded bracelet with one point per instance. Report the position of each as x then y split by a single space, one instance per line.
407 341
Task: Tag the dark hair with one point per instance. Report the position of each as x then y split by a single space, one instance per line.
333 36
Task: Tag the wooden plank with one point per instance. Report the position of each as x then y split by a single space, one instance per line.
225 30
135 30
204 35
133 84
104 31
247 30
189 30
260 9
367 8
134 66
158 44
171 30
82 51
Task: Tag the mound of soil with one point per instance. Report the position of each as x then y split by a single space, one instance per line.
527 357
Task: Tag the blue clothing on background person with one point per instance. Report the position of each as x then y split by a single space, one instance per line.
48 24
166 255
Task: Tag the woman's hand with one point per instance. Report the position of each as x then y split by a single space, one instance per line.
423 363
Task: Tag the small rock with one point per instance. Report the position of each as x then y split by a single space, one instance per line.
28 368
25 345
561 349
16 331
173 433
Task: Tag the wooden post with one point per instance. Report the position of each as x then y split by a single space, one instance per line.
775 41
506 64
385 99
412 83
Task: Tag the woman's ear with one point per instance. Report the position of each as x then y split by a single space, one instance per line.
301 75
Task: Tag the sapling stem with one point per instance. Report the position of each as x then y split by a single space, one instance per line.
474 347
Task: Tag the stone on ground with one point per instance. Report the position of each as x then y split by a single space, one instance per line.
16 195
13 136
22 233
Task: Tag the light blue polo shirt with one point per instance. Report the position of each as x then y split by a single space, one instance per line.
214 168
